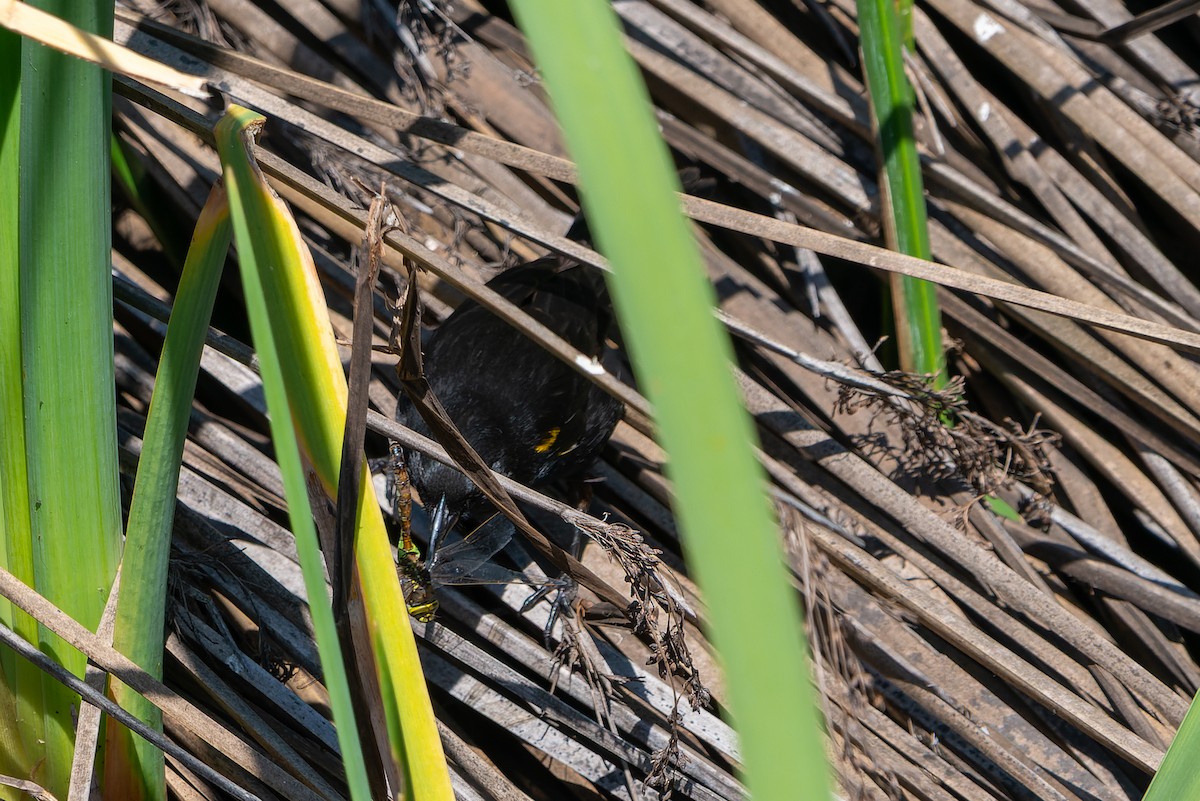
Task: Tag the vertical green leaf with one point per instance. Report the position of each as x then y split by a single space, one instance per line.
683 363
306 395
62 531
14 496
1177 777
133 768
918 320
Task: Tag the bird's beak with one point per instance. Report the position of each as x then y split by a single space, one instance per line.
443 521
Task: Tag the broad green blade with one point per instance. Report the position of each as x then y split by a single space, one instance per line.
305 386
133 768
1177 777
58 471
683 362
14 495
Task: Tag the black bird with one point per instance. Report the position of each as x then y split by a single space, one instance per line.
528 415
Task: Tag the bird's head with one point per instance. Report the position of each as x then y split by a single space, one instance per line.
448 496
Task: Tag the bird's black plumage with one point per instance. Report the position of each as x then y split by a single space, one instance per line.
527 414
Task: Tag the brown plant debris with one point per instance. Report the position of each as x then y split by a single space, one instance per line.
944 440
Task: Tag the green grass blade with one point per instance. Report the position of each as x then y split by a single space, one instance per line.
918 319
683 362
1177 777
14 496
260 251
64 536
135 769
294 312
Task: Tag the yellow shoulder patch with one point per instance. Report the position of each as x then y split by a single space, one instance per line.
549 441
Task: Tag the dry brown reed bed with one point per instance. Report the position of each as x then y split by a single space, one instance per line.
960 654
